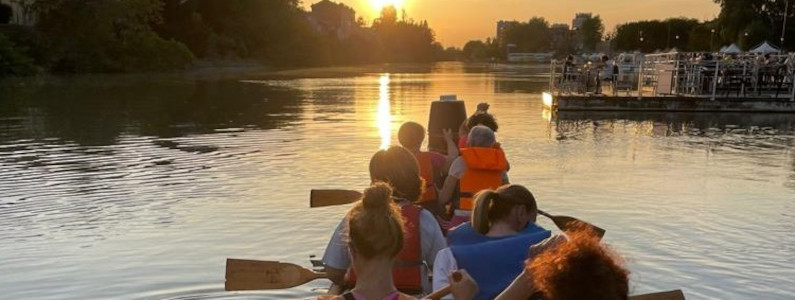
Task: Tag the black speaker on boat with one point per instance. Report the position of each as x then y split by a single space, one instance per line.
446 113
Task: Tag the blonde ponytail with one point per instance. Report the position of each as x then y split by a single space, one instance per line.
480 213
375 225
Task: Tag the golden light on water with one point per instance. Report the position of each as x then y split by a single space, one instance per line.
384 116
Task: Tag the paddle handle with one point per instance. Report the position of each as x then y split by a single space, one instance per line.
438 295
543 213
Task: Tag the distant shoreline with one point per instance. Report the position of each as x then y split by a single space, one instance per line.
248 69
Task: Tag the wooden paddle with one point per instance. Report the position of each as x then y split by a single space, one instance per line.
567 223
321 198
247 275
244 275
671 295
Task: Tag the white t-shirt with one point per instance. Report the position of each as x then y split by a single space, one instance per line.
445 264
431 241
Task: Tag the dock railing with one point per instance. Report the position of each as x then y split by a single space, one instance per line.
697 75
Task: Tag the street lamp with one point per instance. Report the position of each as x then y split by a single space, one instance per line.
711 39
784 26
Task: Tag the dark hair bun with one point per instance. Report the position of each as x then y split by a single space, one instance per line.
377 197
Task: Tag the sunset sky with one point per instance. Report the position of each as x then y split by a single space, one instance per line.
458 21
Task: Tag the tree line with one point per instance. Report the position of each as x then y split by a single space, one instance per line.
85 36
91 36
537 35
746 23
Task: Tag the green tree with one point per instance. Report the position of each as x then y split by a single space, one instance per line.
475 51
14 60
592 31
274 31
530 36
5 13
760 19
404 40
106 36
662 35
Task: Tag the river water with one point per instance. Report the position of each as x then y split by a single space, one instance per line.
141 187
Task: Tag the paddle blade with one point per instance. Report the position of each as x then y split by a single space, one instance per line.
672 295
321 198
567 223
244 275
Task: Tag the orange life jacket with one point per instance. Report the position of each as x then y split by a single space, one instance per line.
407 270
485 167
427 173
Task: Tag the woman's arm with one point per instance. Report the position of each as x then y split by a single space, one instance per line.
337 278
463 288
452 150
444 266
336 258
448 189
520 288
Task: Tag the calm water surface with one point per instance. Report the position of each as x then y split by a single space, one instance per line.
141 188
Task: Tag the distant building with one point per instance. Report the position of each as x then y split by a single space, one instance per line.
559 34
502 30
332 18
579 19
21 12
576 26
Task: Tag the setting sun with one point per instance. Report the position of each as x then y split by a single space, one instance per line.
380 4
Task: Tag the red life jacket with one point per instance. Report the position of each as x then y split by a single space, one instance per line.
407 270
485 167
427 173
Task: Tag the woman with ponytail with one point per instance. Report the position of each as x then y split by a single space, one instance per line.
494 244
423 238
375 237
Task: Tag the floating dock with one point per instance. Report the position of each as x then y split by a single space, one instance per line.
675 82
667 104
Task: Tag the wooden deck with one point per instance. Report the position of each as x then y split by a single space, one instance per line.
578 102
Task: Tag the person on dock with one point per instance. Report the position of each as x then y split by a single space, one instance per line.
580 268
480 166
494 244
608 70
398 167
377 229
433 165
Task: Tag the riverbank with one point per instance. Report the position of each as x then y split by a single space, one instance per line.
220 70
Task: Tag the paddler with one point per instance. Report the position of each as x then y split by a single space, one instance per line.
376 233
433 165
397 167
581 268
481 166
480 117
494 244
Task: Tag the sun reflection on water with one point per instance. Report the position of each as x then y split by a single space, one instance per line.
384 117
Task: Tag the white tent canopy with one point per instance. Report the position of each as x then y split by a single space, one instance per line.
765 48
732 49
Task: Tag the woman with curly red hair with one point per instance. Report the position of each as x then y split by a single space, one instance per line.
581 268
